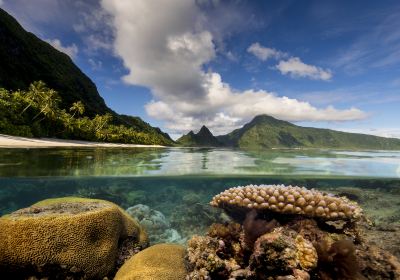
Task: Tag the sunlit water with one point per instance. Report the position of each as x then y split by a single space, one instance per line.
180 182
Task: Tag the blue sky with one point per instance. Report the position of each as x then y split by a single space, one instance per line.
179 64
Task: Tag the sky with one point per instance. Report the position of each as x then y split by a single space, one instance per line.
179 64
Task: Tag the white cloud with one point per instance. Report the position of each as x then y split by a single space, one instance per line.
264 53
71 50
296 68
95 64
167 51
226 109
1 2
383 132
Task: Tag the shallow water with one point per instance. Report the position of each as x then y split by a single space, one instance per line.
196 161
180 182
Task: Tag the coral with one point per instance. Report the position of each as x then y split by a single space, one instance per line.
253 228
69 232
161 261
274 253
231 231
288 200
213 258
306 253
155 223
338 260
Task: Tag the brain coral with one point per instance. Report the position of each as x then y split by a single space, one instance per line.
161 261
288 199
69 232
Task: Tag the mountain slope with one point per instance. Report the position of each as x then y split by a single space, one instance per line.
203 138
24 58
267 132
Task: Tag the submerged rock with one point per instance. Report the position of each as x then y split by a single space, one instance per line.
65 238
156 224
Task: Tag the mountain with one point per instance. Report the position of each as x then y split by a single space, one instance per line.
203 138
267 132
25 58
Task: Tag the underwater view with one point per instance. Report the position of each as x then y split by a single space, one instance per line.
169 190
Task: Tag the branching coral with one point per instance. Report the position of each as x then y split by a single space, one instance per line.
288 200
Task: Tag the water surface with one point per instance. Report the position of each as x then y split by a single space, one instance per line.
179 182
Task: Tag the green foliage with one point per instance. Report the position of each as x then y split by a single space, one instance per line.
36 112
267 132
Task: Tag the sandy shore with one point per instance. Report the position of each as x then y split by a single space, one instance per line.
8 141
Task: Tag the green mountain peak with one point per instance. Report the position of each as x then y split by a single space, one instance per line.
203 138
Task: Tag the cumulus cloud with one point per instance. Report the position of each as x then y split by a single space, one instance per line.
264 53
167 52
298 69
71 50
227 109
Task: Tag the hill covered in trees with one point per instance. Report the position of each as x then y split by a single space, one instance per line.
26 59
36 112
267 132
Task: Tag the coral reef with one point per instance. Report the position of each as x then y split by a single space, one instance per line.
288 200
65 234
161 261
156 225
278 244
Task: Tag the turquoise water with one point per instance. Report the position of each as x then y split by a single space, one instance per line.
179 182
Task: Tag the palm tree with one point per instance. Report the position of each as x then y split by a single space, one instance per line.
48 104
77 108
35 94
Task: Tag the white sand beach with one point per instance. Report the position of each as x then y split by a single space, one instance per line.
8 141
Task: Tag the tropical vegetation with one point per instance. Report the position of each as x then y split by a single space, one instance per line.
36 112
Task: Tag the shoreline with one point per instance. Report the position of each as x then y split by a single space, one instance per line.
9 141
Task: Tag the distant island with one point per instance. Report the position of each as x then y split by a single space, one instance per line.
266 132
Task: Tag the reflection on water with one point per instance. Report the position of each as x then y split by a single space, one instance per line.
196 161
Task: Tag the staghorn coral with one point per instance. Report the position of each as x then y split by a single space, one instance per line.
161 261
75 234
288 200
